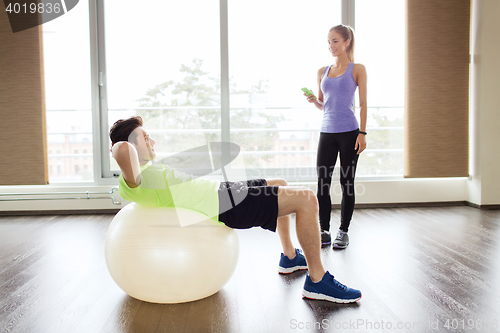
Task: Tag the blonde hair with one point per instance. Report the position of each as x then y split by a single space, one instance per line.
347 33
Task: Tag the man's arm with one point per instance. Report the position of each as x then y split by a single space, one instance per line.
126 156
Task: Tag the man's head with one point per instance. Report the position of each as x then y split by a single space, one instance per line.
123 130
131 130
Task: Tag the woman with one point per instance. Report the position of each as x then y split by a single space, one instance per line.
340 131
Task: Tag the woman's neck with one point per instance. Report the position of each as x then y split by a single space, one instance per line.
341 61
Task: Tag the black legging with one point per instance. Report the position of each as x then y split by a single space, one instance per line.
330 144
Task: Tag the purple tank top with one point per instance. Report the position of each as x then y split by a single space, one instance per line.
338 96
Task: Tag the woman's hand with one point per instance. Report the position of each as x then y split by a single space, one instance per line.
310 98
360 143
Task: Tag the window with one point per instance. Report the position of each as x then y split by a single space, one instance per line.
171 53
269 64
375 21
182 99
66 48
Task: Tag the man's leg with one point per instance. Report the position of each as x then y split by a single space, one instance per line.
303 202
283 224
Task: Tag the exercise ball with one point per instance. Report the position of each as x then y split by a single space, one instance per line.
152 258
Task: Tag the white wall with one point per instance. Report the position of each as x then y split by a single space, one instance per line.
367 192
484 187
85 201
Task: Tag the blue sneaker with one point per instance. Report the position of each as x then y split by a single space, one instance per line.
329 289
287 266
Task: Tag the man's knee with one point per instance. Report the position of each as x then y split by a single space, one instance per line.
298 198
277 182
310 200
281 182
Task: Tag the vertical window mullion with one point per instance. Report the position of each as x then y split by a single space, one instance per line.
224 56
105 171
99 99
95 26
348 17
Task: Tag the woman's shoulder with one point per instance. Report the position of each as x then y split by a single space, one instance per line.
359 72
322 71
359 67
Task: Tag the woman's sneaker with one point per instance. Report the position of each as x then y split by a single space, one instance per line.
326 238
329 289
287 266
341 241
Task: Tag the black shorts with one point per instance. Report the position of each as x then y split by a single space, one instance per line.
247 204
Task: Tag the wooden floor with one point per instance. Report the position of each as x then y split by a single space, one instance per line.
420 269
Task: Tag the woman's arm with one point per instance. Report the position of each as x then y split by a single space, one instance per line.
126 156
318 102
361 79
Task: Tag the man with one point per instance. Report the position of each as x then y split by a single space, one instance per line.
265 203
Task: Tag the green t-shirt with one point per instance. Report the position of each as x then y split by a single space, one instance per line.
163 186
